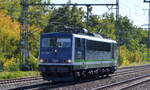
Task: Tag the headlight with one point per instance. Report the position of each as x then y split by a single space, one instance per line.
67 61
41 61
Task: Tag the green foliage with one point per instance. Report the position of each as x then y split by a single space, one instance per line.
11 8
11 65
127 57
33 62
38 15
2 60
104 25
135 56
34 35
9 39
70 16
123 58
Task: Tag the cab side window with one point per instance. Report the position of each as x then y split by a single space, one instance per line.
79 48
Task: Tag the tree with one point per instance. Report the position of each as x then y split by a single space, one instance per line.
11 7
9 33
9 39
70 16
103 25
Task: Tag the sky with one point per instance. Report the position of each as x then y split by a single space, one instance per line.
135 10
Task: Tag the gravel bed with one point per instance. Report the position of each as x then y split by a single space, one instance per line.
142 86
97 83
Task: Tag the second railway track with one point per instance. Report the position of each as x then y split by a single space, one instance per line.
125 83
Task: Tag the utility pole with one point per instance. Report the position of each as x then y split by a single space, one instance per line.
117 25
148 40
117 22
88 14
148 43
24 45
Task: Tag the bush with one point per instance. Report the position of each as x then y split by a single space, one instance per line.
123 58
33 62
128 57
125 63
11 65
135 57
2 60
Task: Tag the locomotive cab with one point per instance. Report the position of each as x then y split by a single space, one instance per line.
55 54
55 50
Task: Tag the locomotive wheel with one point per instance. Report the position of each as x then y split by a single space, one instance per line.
77 75
103 71
88 73
83 74
107 72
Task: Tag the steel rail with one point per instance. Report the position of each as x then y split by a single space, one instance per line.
129 71
122 82
132 85
19 80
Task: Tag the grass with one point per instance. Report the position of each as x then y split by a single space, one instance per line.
142 63
18 74
135 64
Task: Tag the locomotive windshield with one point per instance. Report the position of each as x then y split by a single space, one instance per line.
56 42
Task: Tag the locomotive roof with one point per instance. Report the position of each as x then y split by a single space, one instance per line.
94 38
81 36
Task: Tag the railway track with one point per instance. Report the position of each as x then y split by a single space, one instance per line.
139 86
38 82
131 70
126 83
20 82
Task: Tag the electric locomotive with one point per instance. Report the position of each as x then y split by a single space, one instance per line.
76 54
